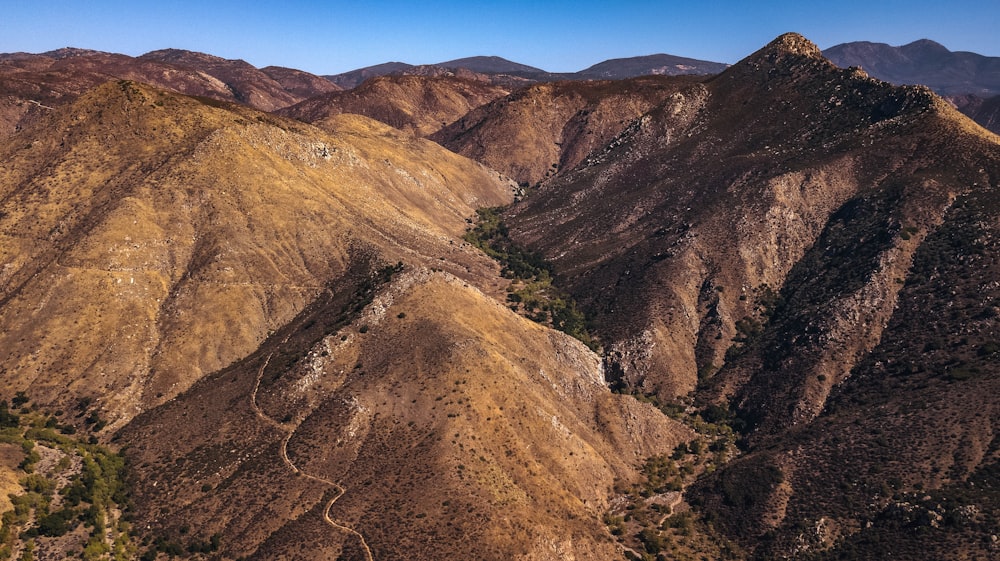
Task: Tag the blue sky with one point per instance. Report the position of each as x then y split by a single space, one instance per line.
328 37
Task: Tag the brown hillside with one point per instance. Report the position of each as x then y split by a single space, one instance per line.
721 190
455 427
537 131
31 83
153 238
301 84
815 250
420 105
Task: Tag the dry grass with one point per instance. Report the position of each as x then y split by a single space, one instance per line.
153 238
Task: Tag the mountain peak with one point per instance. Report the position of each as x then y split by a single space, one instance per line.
926 44
794 44
489 64
787 51
67 52
181 56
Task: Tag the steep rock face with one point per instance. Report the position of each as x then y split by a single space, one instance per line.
537 131
410 409
722 190
151 238
420 105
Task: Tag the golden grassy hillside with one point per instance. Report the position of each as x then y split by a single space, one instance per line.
150 238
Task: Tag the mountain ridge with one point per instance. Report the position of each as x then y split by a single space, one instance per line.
501 69
298 343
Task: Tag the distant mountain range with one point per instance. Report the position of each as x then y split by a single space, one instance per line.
922 62
970 81
494 66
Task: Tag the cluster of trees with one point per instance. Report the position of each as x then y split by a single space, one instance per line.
531 292
94 490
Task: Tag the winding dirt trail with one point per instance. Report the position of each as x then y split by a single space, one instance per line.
295 469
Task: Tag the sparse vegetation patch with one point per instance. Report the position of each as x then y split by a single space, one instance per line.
531 292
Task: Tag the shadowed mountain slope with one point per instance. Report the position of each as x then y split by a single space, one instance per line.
786 238
721 190
908 439
153 238
416 104
537 131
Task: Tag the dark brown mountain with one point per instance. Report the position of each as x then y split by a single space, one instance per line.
536 131
658 64
30 84
417 104
491 65
492 69
774 235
